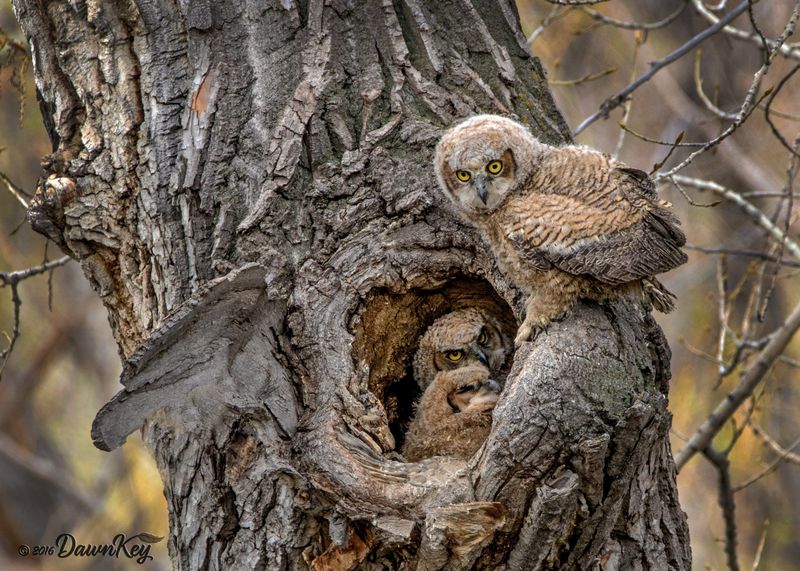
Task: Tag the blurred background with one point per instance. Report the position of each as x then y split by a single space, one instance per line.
65 365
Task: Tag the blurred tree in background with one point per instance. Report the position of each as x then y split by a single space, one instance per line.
64 365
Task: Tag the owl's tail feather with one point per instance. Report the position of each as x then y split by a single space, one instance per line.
658 295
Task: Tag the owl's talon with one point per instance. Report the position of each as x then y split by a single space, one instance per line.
529 332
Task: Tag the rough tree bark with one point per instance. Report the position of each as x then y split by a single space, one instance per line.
248 186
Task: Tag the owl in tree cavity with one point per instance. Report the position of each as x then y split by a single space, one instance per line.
458 339
563 222
454 415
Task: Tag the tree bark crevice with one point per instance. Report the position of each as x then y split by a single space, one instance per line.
249 189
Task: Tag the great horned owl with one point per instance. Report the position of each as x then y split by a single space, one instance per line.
458 339
564 222
454 415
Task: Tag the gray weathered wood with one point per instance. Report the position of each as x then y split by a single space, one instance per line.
248 187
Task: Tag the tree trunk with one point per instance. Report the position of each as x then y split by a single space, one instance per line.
248 186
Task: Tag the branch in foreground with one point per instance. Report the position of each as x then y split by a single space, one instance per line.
750 379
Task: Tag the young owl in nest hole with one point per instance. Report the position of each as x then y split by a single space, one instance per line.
454 415
563 222
458 339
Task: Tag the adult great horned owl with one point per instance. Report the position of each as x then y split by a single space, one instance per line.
454 415
564 222
463 337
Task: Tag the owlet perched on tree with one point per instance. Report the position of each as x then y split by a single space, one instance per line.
453 416
463 337
564 222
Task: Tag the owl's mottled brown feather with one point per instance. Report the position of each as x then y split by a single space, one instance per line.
616 233
445 425
564 222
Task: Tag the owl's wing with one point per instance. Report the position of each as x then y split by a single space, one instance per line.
616 234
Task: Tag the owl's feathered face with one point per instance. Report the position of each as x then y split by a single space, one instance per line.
459 339
481 160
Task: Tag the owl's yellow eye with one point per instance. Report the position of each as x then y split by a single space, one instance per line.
454 356
483 338
463 176
495 167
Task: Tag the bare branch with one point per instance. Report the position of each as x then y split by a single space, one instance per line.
751 99
755 213
784 453
657 66
658 141
698 84
15 190
556 13
784 50
12 278
748 381
726 503
767 111
746 253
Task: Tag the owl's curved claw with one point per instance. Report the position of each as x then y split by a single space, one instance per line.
529 332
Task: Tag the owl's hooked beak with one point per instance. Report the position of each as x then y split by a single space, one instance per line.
480 182
481 355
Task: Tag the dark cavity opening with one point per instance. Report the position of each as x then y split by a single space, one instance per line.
389 330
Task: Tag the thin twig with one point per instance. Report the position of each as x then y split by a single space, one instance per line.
13 279
636 25
658 141
755 213
698 85
751 99
767 110
639 39
672 148
770 468
10 278
657 66
585 79
791 171
689 198
724 313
